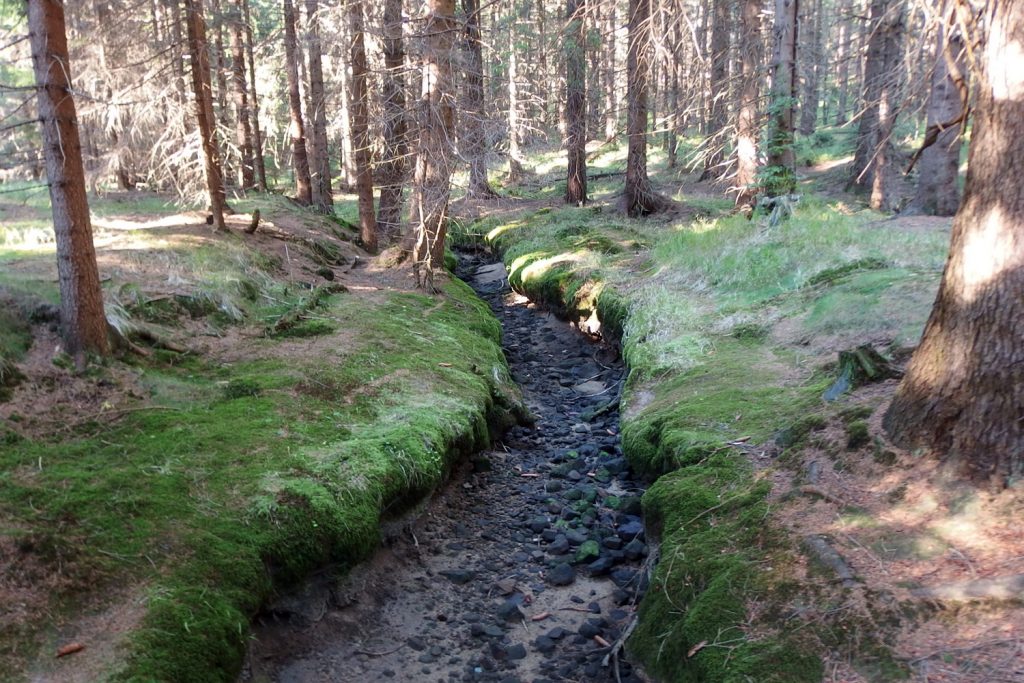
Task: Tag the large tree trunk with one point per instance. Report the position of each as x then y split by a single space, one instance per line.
874 160
200 65
296 128
718 117
396 146
243 117
939 165
640 198
83 323
257 134
782 177
432 181
359 108
320 166
576 102
474 142
746 118
963 392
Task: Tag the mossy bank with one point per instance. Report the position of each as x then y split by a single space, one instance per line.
233 472
729 329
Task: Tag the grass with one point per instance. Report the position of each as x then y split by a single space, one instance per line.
729 329
233 478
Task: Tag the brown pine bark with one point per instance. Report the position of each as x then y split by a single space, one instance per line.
576 102
611 103
639 196
320 161
359 108
393 166
243 117
83 322
257 133
472 137
296 128
746 107
781 160
963 392
939 165
434 154
718 117
201 88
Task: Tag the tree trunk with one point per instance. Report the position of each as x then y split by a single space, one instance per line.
939 165
874 154
746 118
515 163
296 129
640 198
432 181
611 104
346 149
83 322
781 161
843 62
359 108
475 143
257 134
718 114
320 166
396 146
220 75
964 387
243 117
576 102
200 65
813 71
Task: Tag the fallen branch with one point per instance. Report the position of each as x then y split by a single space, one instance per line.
370 653
822 550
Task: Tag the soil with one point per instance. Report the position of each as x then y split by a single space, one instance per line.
491 580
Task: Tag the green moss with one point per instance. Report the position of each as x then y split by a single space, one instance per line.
857 435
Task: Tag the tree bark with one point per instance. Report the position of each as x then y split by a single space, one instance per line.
717 112
611 104
782 177
474 141
200 66
814 68
939 166
396 146
320 164
843 58
432 180
243 117
359 108
83 322
576 102
296 128
639 196
515 163
257 133
746 117
964 388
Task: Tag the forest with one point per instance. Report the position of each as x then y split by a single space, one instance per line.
517 340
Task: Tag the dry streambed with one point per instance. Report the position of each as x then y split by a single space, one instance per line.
528 566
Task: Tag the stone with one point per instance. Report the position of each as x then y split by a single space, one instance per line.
561 575
459 576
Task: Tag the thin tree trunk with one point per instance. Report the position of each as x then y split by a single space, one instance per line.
200 64
515 164
346 147
939 166
296 128
964 387
718 113
781 160
884 192
843 62
257 133
473 122
320 166
359 107
396 146
576 102
814 68
220 74
243 117
746 119
432 181
639 196
611 104
83 322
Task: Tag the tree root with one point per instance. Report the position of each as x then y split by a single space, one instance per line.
819 547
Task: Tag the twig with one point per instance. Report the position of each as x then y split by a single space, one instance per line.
619 644
370 653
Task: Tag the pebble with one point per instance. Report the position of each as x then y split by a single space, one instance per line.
561 575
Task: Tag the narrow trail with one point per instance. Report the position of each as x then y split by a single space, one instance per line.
526 567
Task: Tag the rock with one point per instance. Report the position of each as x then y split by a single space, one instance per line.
612 542
574 475
517 651
589 629
561 575
630 531
581 428
553 486
588 550
544 644
559 546
635 549
557 633
416 643
600 566
538 524
509 610
575 537
459 576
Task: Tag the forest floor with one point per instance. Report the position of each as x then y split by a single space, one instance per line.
268 423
